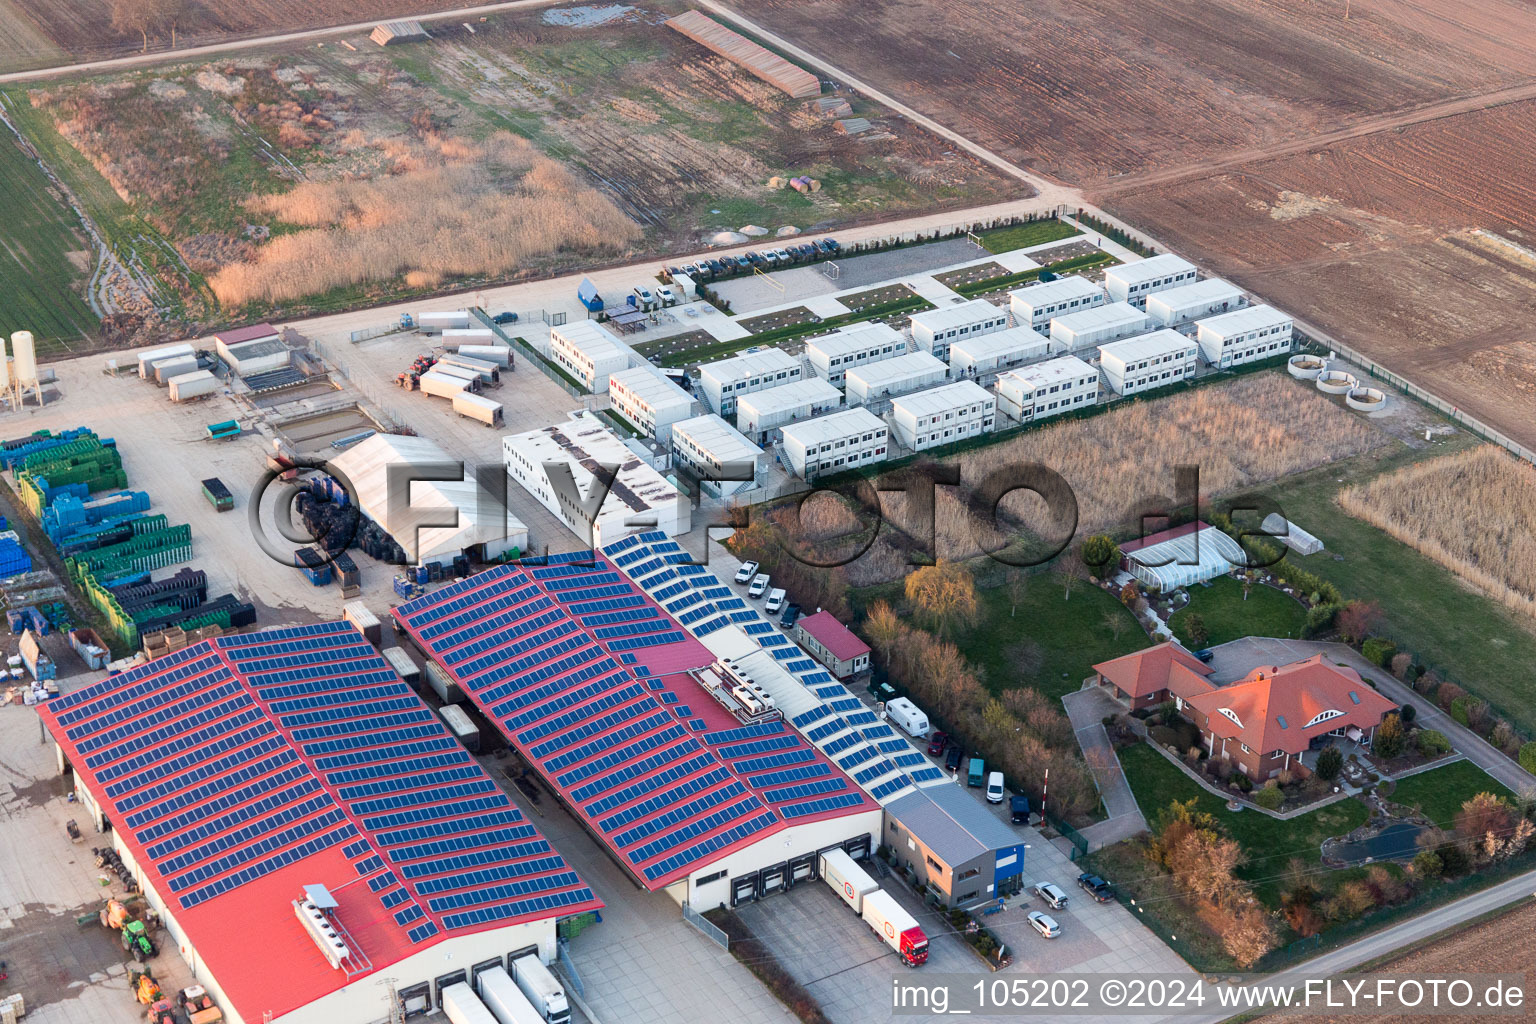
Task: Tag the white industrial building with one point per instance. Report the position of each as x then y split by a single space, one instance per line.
251 350
725 462
1244 335
485 528
1037 305
1042 390
1133 282
832 355
638 500
839 441
1149 361
589 352
976 357
1190 302
870 383
935 330
1090 328
762 412
722 382
943 415
649 400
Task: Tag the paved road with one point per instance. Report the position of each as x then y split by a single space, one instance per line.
1086 709
1233 661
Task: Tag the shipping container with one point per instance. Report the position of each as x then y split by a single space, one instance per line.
489 372
90 647
165 369
217 494
150 356
436 323
458 337
442 385
443 685
401 662
367 623
501 355
198 384
463 729
476 407
462 372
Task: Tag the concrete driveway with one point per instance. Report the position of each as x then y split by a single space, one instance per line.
1236 659
1087 709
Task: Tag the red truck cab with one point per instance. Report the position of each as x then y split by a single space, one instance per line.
914 947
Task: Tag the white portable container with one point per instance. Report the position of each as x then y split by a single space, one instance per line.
401 662
462 1006
477 407
908 716
443 685
539 984
442 385
165 369
436 323
150 356
503 998
851 882
498 354
487 371
463 729
458 337
196 384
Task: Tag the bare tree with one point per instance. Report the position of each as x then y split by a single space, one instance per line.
170 14
1068 572
135 16
1018 586
1115 623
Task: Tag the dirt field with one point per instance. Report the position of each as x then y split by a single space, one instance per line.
1086 90
1417 247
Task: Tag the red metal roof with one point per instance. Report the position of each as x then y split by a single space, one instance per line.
240 769
834 636
1283 707
1174 533
588 678
254 332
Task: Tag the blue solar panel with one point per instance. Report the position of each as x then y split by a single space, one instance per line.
830 803
886 789
804 789
927 774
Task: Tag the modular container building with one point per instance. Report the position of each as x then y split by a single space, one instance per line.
1190 302
722 458
437 323
650 401
1038 304
911 372
1046 389
762 412
722 383
589 352
1149 361
832 355
944 415
478 407
936 330
977 357
1244 335
1133 282
198 384
1087 330
840 441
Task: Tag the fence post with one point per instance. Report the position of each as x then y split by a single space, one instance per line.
710 930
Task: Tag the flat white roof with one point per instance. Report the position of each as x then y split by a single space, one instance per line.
650 386
943 398
1238 321
1052 371
789 396
584 443
722 441
1212 289
1000 343
749 364
963 314
591 338
834 426
1145 346
1054 291
1149 269
856 338
1116 314
913 364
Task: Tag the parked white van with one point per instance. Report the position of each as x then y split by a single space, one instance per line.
909 716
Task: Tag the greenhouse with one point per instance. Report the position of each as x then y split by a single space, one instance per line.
1182 557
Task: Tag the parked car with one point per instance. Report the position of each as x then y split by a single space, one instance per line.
808 250
754 258
952 757
667 296
937 742
1205 654
1018 810
759 586
995 788
1096 887
770 259
1045 924
775 600
504 318
691 270
716 267
1051 893
784 256
746 572
831 245
645 295
791 613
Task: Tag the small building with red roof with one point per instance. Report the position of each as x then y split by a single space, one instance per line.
1154 676
833 644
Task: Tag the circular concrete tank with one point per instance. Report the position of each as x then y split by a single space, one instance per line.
1336 382
1305 367
1366 399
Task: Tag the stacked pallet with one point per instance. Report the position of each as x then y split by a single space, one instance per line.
765 64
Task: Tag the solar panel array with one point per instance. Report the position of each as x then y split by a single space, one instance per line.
651 777
842 726
237 757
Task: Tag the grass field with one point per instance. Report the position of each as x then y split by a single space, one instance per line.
1439 793
1267 612
42 287
26 45
1022 236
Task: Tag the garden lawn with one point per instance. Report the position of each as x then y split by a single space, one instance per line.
1052 644
1269 843
1439 793
1022 236
1267 612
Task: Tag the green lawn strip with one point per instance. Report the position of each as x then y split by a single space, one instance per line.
1266 612
1085 262
1022 236
1440 792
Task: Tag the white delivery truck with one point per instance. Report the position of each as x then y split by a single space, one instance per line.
478 407
197 384
896 928
909 716
441 385
851 882
542 988
462 1006
502 998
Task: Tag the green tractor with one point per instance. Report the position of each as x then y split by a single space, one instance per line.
136 941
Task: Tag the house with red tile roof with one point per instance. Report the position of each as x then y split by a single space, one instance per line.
1154 676
1267 720
833 644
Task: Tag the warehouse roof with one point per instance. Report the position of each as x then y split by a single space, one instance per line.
1116 314
857 338
944 398
750 364
886 371
255 332
1148 346
601 692
834 426
1055 291
1052 371
1000 344
1240 321
1149 269
962 314
811 391
241 769
953 825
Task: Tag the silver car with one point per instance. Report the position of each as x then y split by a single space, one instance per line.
1053 895
1044 923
